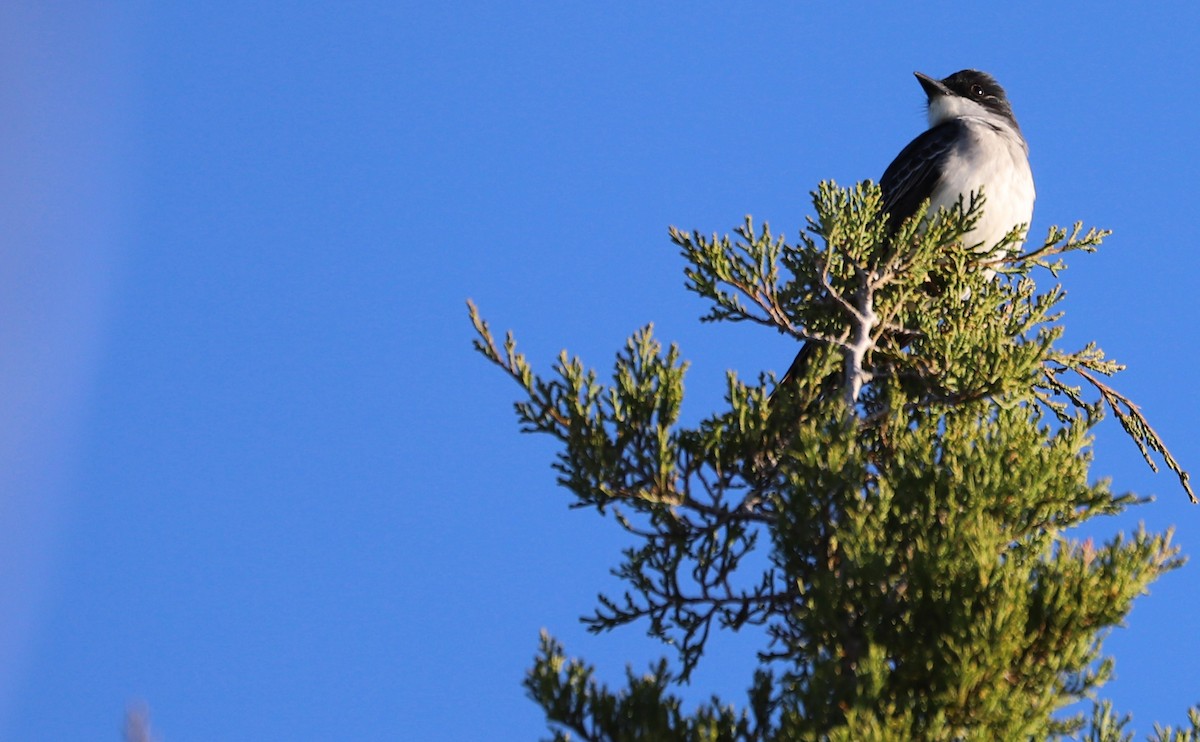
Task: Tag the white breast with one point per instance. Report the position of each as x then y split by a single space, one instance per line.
992 159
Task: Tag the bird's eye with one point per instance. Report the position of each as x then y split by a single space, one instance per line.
977 91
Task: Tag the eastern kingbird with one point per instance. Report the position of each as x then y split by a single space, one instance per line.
973 143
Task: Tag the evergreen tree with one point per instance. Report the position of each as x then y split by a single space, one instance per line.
912 486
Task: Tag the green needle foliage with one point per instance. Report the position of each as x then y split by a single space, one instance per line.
909 490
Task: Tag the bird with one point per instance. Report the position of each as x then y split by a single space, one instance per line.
973 144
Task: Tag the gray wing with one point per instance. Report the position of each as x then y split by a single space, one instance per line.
915 173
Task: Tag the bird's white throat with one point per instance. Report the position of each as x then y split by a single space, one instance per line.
946 107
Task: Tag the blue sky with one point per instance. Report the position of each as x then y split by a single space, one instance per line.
254 475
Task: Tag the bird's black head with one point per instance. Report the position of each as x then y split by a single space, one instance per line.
969 85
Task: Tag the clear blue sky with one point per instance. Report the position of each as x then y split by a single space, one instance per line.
253 474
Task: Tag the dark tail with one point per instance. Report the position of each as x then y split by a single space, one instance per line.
798 368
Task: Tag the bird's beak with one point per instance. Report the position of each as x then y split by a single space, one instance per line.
933 88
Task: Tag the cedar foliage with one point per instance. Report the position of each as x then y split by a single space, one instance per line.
910 488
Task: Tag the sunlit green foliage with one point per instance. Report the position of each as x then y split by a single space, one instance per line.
912 485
